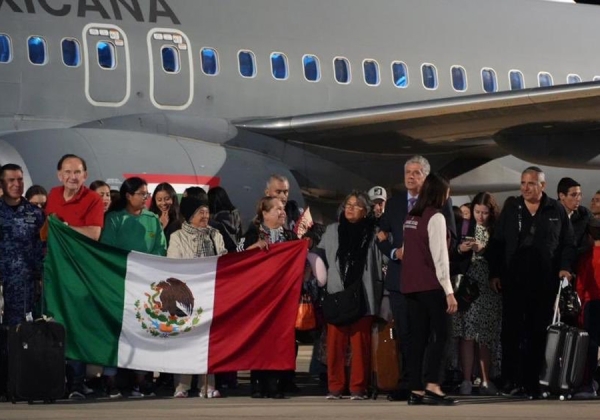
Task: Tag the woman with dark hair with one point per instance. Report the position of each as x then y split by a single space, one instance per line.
353 261
165 205
225 217
129 226
266 229
480 324
37 195
428 291
103 190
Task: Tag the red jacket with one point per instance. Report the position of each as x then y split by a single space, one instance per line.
588 276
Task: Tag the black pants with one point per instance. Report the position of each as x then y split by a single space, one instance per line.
428 332
400 313
526 314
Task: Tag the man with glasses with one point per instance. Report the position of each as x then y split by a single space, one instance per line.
20 246
570 196
82 210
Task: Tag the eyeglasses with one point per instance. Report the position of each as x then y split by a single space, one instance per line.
353 206
144 195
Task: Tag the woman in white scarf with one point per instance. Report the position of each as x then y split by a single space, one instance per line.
195 239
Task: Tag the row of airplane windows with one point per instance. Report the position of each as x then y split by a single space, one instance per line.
171 63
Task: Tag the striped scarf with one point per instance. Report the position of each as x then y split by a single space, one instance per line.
205 244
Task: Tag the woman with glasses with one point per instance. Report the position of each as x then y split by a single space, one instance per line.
266 229
37 195
195 239
353 262
103 190
129 226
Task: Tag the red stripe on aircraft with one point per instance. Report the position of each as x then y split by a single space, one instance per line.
211 181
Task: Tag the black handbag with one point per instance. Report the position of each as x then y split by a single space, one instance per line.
466 292
569 303
345 307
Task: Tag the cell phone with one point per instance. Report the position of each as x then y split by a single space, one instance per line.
468 239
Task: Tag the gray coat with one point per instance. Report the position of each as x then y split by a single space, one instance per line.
372 277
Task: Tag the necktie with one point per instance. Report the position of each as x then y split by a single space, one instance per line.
411 203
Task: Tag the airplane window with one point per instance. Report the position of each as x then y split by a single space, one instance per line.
279 66
246 61
459 78
341 67
429 73
71 52
400 74
516 80
4 48
37 50
170 59
312 68
106 55
573 78
545 79
371 69
490 83
210 61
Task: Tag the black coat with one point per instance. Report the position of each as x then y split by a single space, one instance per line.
392 221
553 240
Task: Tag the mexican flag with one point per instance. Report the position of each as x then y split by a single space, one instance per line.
139 311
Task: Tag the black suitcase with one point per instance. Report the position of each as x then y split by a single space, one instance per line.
565 358
36 361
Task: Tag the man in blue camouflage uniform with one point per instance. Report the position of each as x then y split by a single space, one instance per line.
21 251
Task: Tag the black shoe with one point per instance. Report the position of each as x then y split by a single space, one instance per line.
415 399
257 394
277 396
431 398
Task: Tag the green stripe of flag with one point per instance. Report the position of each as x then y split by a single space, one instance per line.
73 264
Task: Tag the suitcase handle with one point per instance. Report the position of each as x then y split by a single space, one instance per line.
561 284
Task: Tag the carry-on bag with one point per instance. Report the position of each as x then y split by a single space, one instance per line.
36 361
565 356
385 358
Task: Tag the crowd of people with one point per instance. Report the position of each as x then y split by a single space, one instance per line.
413 250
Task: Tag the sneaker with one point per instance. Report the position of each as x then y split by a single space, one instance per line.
489 389
181 394
86 390
585 392
358 397
334 396
465 388
77 396
214 394
136 393
115 395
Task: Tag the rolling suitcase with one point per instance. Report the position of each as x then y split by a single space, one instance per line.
385 359
36 361
565 357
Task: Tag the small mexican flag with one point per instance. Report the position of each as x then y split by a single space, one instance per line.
139 311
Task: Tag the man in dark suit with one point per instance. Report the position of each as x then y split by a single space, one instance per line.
391 242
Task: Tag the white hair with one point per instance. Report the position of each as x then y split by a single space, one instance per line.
420 160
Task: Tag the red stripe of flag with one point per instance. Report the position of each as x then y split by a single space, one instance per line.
256 301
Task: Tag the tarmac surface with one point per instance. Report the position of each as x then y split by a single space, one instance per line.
310 403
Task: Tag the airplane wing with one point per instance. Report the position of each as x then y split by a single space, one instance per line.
531 124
